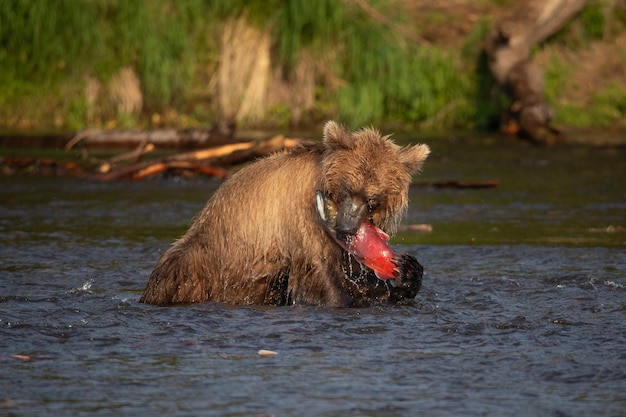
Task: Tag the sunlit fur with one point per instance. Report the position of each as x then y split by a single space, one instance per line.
259 240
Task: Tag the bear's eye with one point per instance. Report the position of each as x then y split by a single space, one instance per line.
372 202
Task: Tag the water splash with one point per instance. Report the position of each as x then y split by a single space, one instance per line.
85 288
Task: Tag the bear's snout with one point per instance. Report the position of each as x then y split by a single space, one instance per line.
351 213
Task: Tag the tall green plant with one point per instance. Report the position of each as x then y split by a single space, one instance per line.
47 45
43 40
156 37
390 78
313 25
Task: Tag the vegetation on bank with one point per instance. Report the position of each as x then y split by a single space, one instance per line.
68 64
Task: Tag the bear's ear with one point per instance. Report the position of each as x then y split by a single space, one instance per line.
413 157
336 136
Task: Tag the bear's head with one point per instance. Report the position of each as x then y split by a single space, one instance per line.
366 176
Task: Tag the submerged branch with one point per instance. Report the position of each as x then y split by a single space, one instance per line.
459 184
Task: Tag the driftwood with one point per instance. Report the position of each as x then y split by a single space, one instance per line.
160 167
213 162
508 49
44 166
416 228
162 138
210 161
141 150
106 166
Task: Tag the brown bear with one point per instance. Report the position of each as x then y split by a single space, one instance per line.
263 239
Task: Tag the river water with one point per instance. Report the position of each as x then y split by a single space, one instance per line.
522 310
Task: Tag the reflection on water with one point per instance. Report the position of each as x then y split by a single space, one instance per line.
522 310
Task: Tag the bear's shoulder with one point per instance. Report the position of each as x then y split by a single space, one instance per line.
308 147
304 152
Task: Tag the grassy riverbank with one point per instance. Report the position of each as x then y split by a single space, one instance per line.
69 65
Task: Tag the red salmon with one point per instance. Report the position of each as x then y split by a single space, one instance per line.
369 246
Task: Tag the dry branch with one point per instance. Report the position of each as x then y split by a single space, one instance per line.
141 150
508 48
208 161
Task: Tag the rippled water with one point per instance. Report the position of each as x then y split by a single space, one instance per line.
522 311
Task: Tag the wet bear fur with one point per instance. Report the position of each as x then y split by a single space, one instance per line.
260 240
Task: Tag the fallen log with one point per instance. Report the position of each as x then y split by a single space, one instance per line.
508 48
44 166
210 161
161 138
161 167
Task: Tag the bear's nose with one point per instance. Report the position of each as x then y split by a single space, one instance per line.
352 212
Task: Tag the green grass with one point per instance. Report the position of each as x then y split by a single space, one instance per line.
372 74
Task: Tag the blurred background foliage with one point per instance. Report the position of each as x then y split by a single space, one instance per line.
74 64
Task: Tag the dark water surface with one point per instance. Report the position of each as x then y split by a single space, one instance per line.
522 312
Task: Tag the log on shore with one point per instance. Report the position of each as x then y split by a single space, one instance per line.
211 161
161 138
